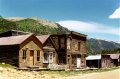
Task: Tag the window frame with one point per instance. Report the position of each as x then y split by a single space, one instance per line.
62 43
38 55
44 59
50 57
79 45
24 54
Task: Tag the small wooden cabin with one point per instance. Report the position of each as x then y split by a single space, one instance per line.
50 56
115 59
71 49
98 61
22 51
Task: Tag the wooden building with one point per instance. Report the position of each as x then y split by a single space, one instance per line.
71 49
115 59
103 60
60 50
50 56
22 51
13 33
98 61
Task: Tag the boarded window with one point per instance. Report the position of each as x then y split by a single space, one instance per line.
24 54
62 43
79 46
38 55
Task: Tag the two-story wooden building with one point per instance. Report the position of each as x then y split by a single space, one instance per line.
71 49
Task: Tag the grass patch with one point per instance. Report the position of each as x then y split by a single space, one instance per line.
6 65
75 73
55 74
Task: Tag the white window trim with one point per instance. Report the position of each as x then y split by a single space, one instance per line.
48 61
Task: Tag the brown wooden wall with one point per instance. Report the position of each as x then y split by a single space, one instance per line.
9 54
106 61
49 47
28 47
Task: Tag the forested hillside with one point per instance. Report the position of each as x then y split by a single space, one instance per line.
95 46
30 25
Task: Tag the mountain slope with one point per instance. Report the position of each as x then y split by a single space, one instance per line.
41 26
97 45
31 25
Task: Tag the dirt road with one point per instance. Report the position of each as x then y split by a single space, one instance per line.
8 73
114 74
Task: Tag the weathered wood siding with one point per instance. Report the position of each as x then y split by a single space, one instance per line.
105 61
50 49
76 47
30 46
72 45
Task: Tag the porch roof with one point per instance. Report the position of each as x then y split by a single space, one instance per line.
93 57
114 56
48 48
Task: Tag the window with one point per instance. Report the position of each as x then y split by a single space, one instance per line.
62 43
79 46
50 57
38 55
46 57
24 55
68 43
76 44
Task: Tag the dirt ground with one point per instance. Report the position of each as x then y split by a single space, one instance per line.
8 73
114 74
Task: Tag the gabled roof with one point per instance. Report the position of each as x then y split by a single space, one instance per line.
14 40
79 34
13 33
43 38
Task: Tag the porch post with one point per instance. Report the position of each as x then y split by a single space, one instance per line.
98 64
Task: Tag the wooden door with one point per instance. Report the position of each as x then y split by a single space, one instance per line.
31 59
78 62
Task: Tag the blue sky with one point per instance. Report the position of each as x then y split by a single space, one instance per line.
96 18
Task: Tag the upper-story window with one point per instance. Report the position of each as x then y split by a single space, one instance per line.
68 43
79 46
49 44
62 43
76 44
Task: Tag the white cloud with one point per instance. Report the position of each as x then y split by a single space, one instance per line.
116 14
89 27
